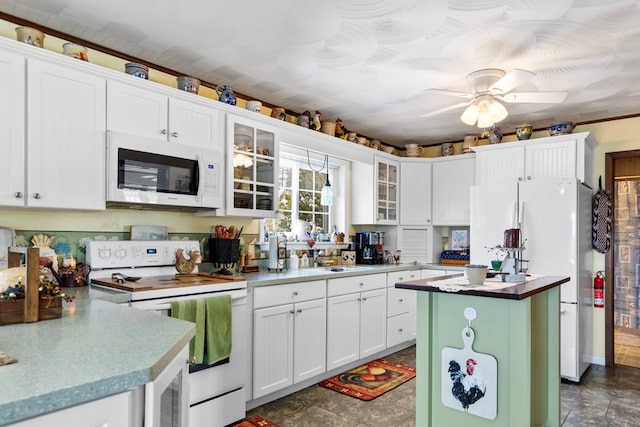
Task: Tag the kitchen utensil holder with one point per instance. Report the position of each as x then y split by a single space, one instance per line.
224 254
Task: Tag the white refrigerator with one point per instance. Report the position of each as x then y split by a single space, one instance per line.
554 217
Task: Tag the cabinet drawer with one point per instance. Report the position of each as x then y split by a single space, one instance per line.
402 276
400 301
400 329
266 296
348 285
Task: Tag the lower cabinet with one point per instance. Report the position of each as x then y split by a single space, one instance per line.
289 330
401 308
356 318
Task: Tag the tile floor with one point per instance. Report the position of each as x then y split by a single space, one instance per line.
606 397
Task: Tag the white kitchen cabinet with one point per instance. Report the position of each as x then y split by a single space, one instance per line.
356 318
289 343
417 243
65 138
375 194
415 194
564 156
12 123
401 308
153 114
253 168
452 180
113 411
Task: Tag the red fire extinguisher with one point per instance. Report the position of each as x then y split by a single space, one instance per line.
598 290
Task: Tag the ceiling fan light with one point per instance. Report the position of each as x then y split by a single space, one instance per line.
497 111
470 115
484 120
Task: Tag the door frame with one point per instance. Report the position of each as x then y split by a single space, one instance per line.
609 285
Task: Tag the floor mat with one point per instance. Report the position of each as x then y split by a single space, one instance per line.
371 380
255 421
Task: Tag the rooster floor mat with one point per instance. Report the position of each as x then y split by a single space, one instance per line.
470 379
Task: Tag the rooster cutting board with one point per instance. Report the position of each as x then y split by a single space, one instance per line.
470 379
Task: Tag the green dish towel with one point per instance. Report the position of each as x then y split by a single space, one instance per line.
192 311
218 328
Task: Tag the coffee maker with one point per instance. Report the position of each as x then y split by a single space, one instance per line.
369 247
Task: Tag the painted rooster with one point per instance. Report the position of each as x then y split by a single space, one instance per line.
186 266
341 131
467 387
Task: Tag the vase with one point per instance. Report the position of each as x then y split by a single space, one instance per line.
495 136
137 70
524 131
226 95
188 84
75 51
30 36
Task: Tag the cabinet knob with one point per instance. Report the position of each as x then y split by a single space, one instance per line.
36 195
359 299
400 300
364 299
361 283
295 293
163 131
400 278
299 310
291 311
528 178
17 195
174 134
519 178
428 221
399 329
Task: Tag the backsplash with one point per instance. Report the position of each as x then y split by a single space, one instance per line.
72 243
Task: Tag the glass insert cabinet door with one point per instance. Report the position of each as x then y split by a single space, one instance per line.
387 197
254 165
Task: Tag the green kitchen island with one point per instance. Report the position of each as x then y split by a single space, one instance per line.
487 355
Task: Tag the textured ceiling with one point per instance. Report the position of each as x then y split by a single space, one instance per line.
370 61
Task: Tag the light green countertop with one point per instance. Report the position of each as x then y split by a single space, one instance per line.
95 350
265 278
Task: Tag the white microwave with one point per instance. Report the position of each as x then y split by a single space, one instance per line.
148 173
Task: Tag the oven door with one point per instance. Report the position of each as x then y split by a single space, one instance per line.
220 386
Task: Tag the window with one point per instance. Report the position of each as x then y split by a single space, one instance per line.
300 184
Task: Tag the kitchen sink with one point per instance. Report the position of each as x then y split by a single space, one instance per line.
344 268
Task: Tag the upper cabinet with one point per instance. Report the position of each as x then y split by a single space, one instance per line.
12 123
415 194
151 113
374 192
66 137
253 168
451 190
553 157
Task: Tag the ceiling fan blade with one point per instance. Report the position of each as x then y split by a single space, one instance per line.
534 97
512 79
442 110
450 93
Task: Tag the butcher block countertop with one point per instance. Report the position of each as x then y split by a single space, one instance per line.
515 291
96 349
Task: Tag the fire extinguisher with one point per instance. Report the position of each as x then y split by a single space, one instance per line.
598 290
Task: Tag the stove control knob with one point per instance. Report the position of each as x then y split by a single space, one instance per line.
104 253
121 253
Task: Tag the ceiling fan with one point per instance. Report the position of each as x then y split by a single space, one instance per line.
488 86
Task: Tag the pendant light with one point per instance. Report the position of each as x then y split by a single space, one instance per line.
326 196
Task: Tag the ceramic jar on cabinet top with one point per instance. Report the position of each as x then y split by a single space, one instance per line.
226 95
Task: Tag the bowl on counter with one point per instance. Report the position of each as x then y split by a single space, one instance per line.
561 128
475 273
